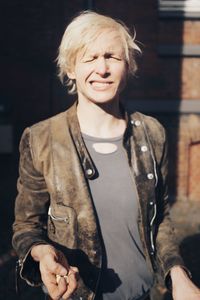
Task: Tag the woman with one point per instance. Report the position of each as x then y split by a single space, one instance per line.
92 210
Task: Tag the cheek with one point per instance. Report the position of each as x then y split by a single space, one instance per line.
121 70
82 73
123 73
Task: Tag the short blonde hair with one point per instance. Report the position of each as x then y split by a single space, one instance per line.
81 33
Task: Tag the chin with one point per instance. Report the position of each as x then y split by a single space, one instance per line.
104 101
101 99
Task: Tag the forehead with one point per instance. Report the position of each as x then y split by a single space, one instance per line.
105 42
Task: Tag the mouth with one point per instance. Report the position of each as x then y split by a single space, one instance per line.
100 84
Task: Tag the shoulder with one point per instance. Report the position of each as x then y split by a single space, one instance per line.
41 132
39 135
154 129
44 126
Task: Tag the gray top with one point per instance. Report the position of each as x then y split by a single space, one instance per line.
125 274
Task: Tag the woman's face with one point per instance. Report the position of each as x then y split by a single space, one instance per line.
101 71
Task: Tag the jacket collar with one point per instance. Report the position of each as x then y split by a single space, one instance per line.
75 131
135 142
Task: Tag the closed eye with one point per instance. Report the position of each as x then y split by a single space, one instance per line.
107 56
117 58
112 56
90 59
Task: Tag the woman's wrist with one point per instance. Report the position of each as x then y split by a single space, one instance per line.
38 251
178 273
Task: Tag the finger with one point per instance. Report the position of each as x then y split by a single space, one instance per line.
48 277
71 270
53 267
60 269
56 291
62 286
75 270
51 284
72 284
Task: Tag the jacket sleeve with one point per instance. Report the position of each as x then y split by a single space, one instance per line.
167 248
31 209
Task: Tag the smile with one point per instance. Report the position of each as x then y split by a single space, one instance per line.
100 84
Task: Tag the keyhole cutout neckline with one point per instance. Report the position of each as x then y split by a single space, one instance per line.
104 145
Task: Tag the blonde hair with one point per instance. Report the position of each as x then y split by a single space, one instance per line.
81 33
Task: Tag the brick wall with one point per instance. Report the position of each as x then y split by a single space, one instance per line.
167 77
188 187
29 42
30 91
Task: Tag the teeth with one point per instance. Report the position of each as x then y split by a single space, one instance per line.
100 84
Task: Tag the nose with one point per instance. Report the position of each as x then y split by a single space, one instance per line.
101 66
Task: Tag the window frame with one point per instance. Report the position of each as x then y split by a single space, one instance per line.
179 9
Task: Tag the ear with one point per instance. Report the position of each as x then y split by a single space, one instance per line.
71 75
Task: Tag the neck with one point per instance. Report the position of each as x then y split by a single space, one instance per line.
101 120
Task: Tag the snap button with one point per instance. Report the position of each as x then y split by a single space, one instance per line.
150 176
144 148
151 203
132 122
89 172
137 123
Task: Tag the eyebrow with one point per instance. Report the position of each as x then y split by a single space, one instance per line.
105 54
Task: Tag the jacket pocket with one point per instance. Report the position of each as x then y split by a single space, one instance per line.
62 225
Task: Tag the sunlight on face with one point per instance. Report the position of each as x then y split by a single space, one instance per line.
101 69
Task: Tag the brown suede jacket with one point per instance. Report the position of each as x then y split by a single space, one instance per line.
54 204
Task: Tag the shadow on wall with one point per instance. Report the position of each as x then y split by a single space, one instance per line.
29 79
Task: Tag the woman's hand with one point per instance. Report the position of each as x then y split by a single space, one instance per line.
182 287
59 278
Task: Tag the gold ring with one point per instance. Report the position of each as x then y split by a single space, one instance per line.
61 276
